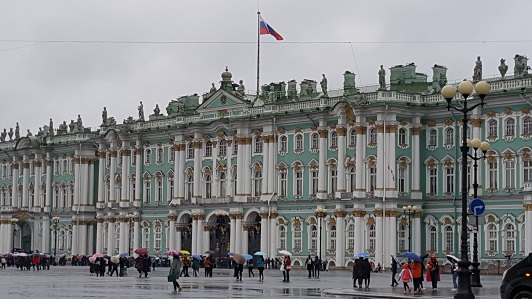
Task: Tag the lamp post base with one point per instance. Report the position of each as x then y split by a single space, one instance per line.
464 281
475 275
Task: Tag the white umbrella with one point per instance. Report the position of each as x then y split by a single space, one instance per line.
284 252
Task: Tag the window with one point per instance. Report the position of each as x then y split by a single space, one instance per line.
119 159
223 184
509 237
208 186
449 136
298 186
509 127
334 180
170 187
402 238
353 137
433 238
402 136
372 133
332 237
258 144
171 154
56 197
314 141
257 182
492 237
147 156
282 184
334 139
64 166
145 235
297 237
433 137
282 237
527 170
509 174
351 172
189 186
158 236
147 190
283 144
159 190
32 168
449 180
235 148
448 239
492 128
208 149
433 180
401 179
371 237
314 182
298 142
190 151
234 181
492 174
133 160
222 148
133 188
351 236
313 237
527 125
372 181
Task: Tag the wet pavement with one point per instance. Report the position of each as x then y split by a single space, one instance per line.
76 282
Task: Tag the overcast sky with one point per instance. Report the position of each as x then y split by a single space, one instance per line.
39 81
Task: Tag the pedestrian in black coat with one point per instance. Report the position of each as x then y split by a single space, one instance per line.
366 273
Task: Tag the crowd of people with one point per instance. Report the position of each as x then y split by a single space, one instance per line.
413 272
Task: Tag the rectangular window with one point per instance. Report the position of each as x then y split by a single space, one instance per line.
433 180
147 191
282 183
372 178
492 175
527 170
299 183
334 180
509 173
314 174
401 175
449 180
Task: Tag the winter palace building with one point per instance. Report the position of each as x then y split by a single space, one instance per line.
314 171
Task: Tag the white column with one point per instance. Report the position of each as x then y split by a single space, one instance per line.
232 233
340 237
264 232
48 199
178 238
272 165
266 168
416 232
198 186
171 230
206 239
194 234
239 168
75 235
200 234
82 229
378 234
99 233
101 179
340 179
77 184
215 191
273 235
178 182
415 167
124 233
112 176
528 228
238 231
110 234
136 232
246 179
90 199
37 204
181 172
14 191
322 167
46 234
392 236
229 170
390 157
360 229
124 200
379 188
90 237
138 176
245 240
25 180
85 200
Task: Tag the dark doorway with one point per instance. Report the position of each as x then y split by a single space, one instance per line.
220 236
25 242
254 234
186 236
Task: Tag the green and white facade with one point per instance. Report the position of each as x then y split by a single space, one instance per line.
235 173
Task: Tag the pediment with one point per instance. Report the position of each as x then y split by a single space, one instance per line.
223 100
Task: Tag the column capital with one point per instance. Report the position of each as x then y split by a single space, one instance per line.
361 130
416 130
528 206
323 133
340 213
418 214
172 217
377 212
358 213
274 215
263 215
476 122
342 131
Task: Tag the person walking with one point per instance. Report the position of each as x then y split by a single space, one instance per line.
433 273
405 276
114 268
240 270
417 276
208 267
146 265
175 270
367 273
260 266
317 267
195 267
310 266
3 261
454 273
287 266
359 264
186 264
250 268
394 272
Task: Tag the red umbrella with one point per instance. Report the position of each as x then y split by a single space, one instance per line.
141 251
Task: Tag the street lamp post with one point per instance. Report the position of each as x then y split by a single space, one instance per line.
55 220
482 88
130 218
484 147
409 211
14 221
320 213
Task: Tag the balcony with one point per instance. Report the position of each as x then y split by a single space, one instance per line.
218 200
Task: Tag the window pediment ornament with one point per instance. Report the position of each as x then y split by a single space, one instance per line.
147 144
207 137
491 218
332 126
526 154
508 111
314 165
372 161
447 221
431 123
257 132
448 121
313 127
491 114
312 220
370 221
298 130
404 122
189 138
371 122
332 221
525 110
281 130
257 166
491 157
297 222
508 156
220 133
431 163
448 163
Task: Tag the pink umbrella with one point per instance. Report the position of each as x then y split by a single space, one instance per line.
97 255
92 259
173 252
141 251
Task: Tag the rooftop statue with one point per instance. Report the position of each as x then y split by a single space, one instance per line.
17 132
141 111
503 68
157 111
104 116
51 128
3 135
382 78
29 133
323 85
10 134
241 89
213 89
520 68
477 72
41 132
71 126
80 123
63 128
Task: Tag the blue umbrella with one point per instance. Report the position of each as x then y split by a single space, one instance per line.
260 253
196 256
362 255
230 253
123 254
412 256
248 256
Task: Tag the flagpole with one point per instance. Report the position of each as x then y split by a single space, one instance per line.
258 52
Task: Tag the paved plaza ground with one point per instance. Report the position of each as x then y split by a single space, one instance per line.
76 282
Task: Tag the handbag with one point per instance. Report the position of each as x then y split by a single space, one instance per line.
172 277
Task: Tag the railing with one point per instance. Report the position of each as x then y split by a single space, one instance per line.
215 200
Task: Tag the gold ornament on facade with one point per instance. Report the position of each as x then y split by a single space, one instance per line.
220 133
377 213
431 123
332 221
312 220
528 207
526 155
380 128
313 127
297 222
323 133
172 217
342 131
257 132
491 218
281 130
418 214
332 126
350 114
508 156
447 221
111 220
222 113
525 110
371 122
391 128
448 163
403 122
508 111
416 130
340 214
370 221
403 221
361 130
490 113
372 161
448 121
476 122
207 137
189 138
263 215
298 130
274 215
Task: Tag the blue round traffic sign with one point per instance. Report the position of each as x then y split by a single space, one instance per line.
477 206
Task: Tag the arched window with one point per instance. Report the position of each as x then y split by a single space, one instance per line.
509 127
158 236
492 237
314 141
257 182
449 136
147 190
190 186
448 238
372 177
222 148
509 173
159 190
282 184
119 158
334 139
283 144
492 128
527 170
258 144
449 180
208 186
223 184
372 234
282 237
190 150
351 237
314 181
298 178
298 142
313 237
334 179
351 172
493 174
527 125
297 237
402 232
509 237
402 136
208 149
433 137
145 235
160 155
171 154
402 179
147 156
332 237
352 137
65 166
433 239
372 133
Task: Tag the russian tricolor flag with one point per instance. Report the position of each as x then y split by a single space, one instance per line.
266 29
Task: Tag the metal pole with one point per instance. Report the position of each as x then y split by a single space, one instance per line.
55 240
475 271
258 52
410 231
13 247
320 237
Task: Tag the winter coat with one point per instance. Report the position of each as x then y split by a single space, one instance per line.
432 266
416 270
175 267
405 275
366 269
